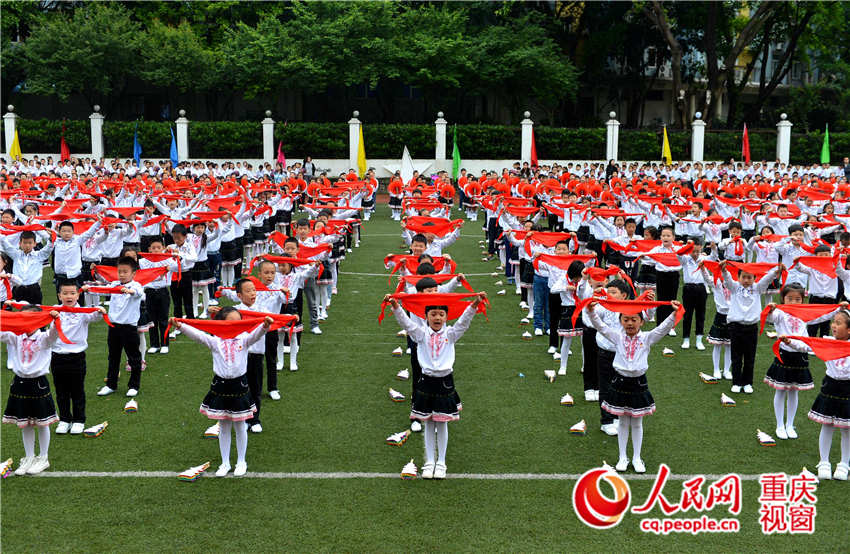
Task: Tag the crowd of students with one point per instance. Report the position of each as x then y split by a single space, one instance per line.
594 253
154 249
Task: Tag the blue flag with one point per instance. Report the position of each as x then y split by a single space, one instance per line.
174 158
137 148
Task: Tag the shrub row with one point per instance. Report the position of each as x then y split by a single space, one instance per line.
243 139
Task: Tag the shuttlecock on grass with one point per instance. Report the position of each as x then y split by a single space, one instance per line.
409 471
396 396
399 438
726 400
96 430
579 428
192 474
567 400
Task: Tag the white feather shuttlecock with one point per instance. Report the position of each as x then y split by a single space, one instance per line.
403 375
192 474
96 430
398 352
764 438
397 439
579 428
708 379
396 396
549 374
726 400
567 400
212 431
409 471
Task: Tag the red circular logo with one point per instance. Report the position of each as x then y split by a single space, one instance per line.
593 507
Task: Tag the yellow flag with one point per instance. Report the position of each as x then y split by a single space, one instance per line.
665 149
15 149
361 155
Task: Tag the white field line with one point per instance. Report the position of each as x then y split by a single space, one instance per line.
386 275
373 475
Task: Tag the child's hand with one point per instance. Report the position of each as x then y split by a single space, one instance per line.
592 306
675 304
447 256
650 295
173 322
785 340
84 288
54 314
844 304
267 322
101 309
771 306
460 224
126 290
722 264
214 310
461 277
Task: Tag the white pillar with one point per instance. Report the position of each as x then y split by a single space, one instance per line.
353 139
182 136
9 124
527 126
612 137
268 138
783 139
96 119
440 142
697 138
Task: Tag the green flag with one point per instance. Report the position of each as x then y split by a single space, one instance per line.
824 151
455 157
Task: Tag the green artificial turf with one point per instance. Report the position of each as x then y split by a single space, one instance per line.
335 414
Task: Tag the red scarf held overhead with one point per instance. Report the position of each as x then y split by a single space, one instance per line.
154 220
600 274
21 323
106 290
434 225
825 349
9 229
440 278
669 259
823 264
66 309
561 262
628 307
803 312
143 276
224 329
416 303
640 245
280 320
126 212
411 263
296 262
258 285
310 252
522 212
759 270
546 238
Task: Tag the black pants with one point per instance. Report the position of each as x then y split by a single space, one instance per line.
181 294
605 367
744 339
255 383
415 368
667 288
589 352
820 329
272 339
694 297
492 233
69 379
123 337
158 304
554 319
27 293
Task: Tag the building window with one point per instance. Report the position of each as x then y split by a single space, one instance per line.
796 71
651 57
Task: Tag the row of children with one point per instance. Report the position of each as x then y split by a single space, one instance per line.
138 300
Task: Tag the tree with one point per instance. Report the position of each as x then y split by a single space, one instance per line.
16 19
656 13
90 52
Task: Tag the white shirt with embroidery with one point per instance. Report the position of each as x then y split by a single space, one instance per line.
435 349
30 354
230 356
631 358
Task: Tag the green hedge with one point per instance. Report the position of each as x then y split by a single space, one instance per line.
243 139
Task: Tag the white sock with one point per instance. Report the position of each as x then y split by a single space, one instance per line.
281 346
845 446
565 351
699 339
196 291
825 442
224 440
429 436
715 356
227 275
241 428
623 436
293 350
205 297
43 440
779 407
530 301
727 358
637 436
791 410
28 435
442 441
502 256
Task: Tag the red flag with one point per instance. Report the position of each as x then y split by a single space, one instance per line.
281 157
745 147
533 150
64 151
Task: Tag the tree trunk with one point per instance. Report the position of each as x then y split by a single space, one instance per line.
658 16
